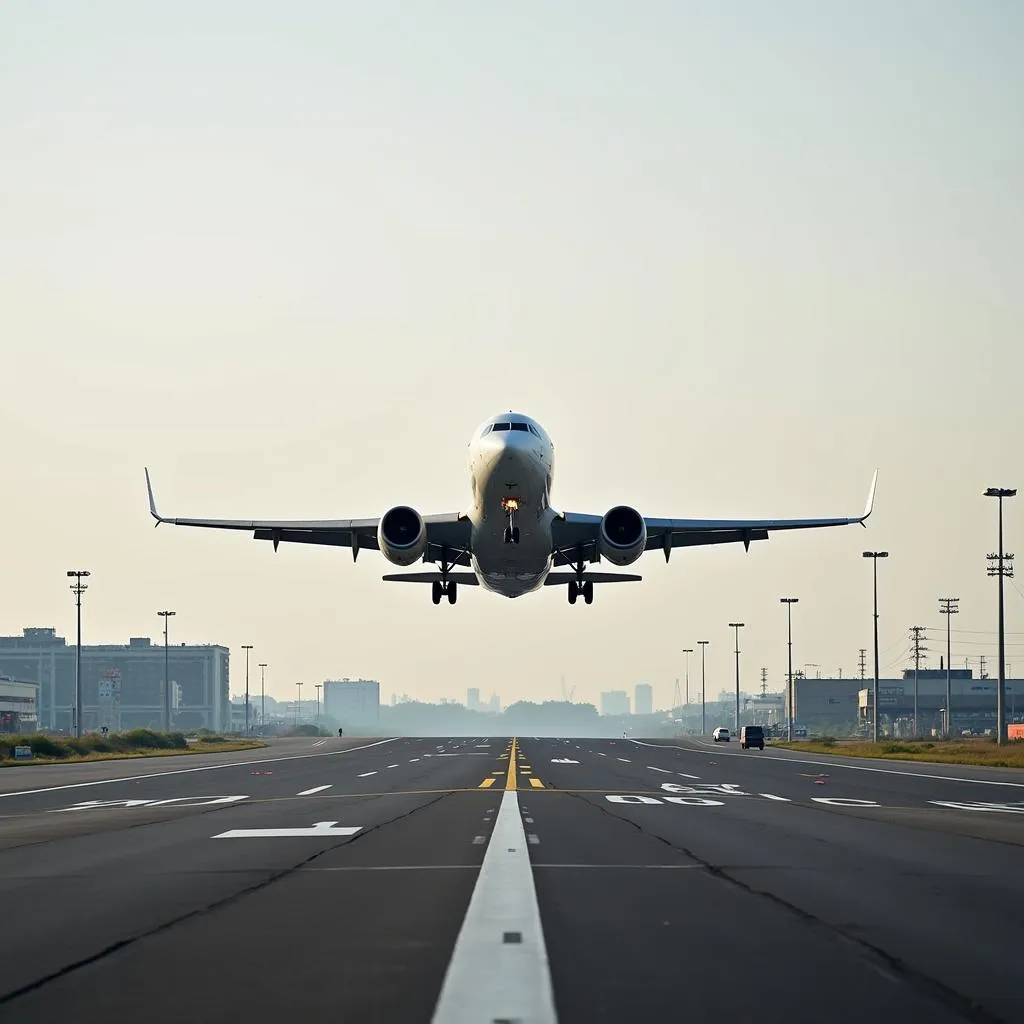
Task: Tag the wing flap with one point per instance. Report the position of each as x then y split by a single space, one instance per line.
465 579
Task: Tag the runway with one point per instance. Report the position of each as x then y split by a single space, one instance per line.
484 879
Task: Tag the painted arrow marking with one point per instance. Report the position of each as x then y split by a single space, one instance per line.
320 828
563 760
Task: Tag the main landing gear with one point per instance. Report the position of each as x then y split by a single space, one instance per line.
438 589
586 588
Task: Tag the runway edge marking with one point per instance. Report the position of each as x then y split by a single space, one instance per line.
201 768
499 968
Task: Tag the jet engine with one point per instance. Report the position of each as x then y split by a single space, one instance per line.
622 536
402 535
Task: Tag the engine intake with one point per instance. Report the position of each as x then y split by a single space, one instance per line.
402 535
622 537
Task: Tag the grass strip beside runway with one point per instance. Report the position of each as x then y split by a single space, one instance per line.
980 752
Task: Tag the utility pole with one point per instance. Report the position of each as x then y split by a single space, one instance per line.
875 556
737 626
1001 564
703 723
318 685
166 616
948 607
78 588
247 648
764 681
789 602
263 697
917 649
862 662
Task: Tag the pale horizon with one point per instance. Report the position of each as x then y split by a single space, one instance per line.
733 261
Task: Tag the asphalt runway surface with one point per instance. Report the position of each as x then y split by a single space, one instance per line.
490 880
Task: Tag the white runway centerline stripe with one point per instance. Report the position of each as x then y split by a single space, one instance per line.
665 770
315 789
499 969
363 776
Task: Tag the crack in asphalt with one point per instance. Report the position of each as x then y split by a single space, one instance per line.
277 876
924 983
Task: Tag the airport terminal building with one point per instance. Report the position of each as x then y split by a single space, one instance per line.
122 685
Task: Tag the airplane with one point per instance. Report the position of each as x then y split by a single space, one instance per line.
510 536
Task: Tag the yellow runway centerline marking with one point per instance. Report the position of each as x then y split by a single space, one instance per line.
510 781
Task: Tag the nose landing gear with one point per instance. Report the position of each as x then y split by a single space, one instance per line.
511 506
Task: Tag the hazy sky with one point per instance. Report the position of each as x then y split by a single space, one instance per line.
732 256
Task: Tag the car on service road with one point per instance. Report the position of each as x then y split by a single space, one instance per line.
721 735
751 736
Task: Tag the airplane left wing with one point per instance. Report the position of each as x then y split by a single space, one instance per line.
575 535
447 534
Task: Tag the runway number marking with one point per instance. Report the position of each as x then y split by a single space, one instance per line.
179 801
328 829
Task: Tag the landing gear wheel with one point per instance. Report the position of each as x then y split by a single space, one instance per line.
435 592
515 534
573 593
588 592
453 592
508 534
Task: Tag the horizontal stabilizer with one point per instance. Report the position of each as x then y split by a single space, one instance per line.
557 579
465 579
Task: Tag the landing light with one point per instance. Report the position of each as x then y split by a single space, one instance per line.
510 504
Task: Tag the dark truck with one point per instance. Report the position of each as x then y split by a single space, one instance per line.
751 736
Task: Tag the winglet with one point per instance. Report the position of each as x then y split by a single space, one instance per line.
152 502
871 499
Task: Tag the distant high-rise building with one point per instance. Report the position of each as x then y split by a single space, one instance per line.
473 699
643 699
615 702
353 702
494 704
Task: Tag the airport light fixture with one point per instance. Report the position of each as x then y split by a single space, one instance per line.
998 567
789 602
78 588
875 556
703 702
167 677
263 696
737 626
247 648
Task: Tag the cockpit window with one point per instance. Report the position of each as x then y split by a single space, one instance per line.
534 430
501 426
520 426
487 429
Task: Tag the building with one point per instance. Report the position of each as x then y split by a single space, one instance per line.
643 699
473 699
843 706
352 702
198 675
18 706
615 702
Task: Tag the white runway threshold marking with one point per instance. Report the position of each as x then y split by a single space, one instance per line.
499 969
315 789
327 829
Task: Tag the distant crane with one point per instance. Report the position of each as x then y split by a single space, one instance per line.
567 694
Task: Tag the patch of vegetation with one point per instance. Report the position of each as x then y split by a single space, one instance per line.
980 752
97 747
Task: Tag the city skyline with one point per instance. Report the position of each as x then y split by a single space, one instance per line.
719 295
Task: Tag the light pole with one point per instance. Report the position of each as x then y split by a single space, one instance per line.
683 714
1001 569
247 648
875 556
263 696
703 703
737 626
167 677
948 607
789 602
78 588
318 685
298 705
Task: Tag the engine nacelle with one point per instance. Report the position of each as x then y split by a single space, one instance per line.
622 537
402 535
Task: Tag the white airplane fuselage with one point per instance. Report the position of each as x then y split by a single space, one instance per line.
511 470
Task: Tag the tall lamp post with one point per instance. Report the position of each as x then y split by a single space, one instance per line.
686 707
737 626
703 703
998 567
789 602
78 588
166 616
263 696
875 556
247 648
